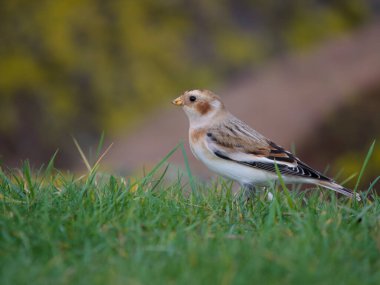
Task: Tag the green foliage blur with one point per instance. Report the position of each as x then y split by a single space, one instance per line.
86 66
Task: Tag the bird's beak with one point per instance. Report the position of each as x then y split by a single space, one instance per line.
178 101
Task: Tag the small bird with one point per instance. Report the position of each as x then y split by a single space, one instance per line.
231 148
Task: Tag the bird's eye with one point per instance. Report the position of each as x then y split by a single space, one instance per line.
193 98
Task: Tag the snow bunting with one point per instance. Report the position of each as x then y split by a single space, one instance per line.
231 148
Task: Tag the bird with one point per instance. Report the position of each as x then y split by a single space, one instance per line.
231 148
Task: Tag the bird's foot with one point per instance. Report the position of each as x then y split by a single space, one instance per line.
250 192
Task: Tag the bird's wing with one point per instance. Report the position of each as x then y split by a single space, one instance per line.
245 146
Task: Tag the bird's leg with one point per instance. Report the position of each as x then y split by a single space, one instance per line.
249 191
266 191
273 186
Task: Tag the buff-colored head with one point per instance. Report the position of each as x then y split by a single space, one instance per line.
200 105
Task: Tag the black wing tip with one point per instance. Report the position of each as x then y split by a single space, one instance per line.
315 173
221 155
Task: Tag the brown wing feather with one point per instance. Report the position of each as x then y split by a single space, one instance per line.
239 137
235 136
280 154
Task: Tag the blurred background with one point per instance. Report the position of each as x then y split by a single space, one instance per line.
304 73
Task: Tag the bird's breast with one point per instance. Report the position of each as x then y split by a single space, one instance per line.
197 140
233 170
196 135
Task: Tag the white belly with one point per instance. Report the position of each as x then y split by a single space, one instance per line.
241 173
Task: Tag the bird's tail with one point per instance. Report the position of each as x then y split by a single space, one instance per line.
339 188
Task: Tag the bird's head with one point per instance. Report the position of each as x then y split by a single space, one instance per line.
200 106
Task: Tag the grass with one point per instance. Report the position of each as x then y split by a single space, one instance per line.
98 229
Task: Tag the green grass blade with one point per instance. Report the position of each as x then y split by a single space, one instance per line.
84 158
158 165
373 184
100 144
101 156
8 182
352 176
369 154
159 180
188 170
28 177
50 166
282 183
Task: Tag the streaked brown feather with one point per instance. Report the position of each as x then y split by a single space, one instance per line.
236 136
228 136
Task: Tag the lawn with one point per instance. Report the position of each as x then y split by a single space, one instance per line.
57 228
